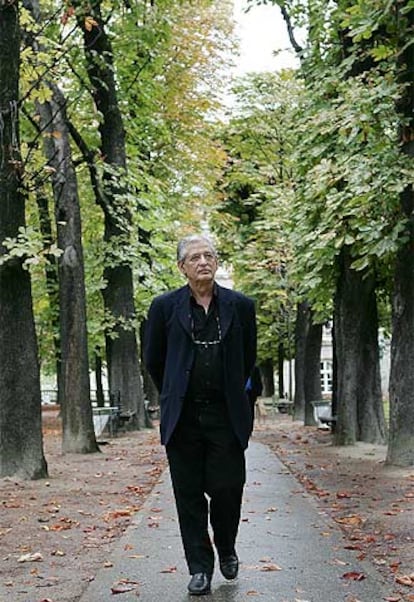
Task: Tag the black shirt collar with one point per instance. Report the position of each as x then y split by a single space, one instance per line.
192 298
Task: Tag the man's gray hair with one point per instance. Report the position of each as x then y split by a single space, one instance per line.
185 242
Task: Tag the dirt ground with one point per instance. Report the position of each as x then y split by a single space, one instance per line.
55 534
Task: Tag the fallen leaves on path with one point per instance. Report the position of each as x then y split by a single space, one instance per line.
354 576
407 580
169 569
124 585
271 567
353 520
372 503
35 557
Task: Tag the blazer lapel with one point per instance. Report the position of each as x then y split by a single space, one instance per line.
225 309
183 309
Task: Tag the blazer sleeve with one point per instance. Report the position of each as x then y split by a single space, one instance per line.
155 342
250 338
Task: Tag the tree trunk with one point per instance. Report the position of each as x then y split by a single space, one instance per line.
52 279
124 372
301 333
401 432
21 446
76 409
100 397
401 439
312 380
370 408
266 369
280 364
334 376
346 337
359 410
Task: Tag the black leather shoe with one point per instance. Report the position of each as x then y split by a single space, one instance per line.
200 584
229 566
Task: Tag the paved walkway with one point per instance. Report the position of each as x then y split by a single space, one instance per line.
289 550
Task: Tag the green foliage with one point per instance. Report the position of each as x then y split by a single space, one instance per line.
168 64
28 246
350 177
255 191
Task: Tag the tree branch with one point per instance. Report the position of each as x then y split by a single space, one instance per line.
296 47
89 157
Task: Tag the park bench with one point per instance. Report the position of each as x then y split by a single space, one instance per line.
284 406
116 416
152 411
322 412
105 418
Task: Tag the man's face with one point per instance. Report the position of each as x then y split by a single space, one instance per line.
200 263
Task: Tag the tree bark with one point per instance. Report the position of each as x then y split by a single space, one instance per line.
124 374
52 279
21 445
334 376
301 333
359 406
76 409
312 376
401 438
280 366
370 408
266 369
100 397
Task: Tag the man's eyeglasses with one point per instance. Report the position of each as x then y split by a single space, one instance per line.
206 344
196 258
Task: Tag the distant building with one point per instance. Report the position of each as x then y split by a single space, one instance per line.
326 365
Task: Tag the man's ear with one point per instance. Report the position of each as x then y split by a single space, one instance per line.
180 265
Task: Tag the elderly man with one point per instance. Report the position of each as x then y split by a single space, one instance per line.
200 348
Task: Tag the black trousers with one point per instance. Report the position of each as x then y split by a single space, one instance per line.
208 472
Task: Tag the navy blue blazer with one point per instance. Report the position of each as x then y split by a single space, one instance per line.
169 355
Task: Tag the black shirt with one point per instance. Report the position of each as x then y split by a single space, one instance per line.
206 379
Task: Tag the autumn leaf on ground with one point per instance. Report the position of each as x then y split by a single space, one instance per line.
170 569
270 567
353 520
64 524
340 562
407 580
136 489
35 557
354 576
12 504
123 586
342 495
114 514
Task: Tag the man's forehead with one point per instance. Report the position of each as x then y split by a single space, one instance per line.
198 247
